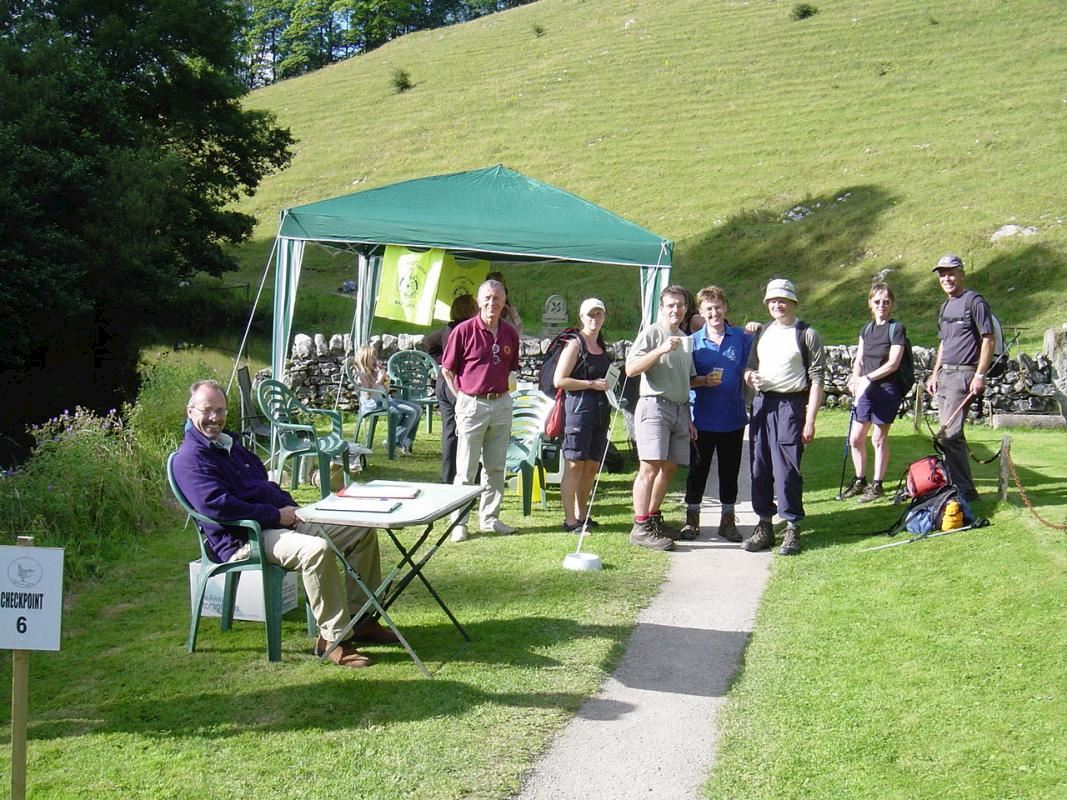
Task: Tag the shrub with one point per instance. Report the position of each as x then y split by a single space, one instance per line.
402 80
158 418
803 11
538 30
89 487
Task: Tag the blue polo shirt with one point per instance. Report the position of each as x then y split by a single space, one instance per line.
720 408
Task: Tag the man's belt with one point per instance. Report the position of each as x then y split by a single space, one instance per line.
959 367
801 395
488 395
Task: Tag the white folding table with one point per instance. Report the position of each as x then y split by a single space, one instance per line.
434 501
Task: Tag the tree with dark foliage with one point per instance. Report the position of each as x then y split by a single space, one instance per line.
123 144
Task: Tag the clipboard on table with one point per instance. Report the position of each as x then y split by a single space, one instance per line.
358 505
364 491
612 379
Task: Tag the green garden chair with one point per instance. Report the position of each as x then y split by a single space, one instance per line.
299 439
391 414
272 576
530 409
414 374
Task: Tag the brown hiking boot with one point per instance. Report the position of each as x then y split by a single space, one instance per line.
856 487
662 528
872 492
643 535
728 527
762 537
791 541
692 525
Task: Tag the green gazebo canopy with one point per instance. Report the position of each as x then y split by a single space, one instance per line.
495 214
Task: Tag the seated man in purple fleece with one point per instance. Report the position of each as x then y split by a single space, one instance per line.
223 480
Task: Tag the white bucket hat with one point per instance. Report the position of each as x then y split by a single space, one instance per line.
780 289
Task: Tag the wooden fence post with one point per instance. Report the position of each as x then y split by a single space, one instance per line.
1005 469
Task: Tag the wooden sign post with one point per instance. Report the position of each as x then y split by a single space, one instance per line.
31 606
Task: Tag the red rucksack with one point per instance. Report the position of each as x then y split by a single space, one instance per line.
923 477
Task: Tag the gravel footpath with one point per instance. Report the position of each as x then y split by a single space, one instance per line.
651 731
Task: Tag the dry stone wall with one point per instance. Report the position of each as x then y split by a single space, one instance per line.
1030 385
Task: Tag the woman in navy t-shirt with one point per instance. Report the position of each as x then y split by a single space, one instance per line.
877 392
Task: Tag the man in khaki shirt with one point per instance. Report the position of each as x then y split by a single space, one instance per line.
662 356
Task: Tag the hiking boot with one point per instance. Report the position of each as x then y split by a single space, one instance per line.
728 527
762 537
692 525
643 535
856 487
872 492
662 528
791 541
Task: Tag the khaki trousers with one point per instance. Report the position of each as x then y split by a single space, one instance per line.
483 429
304 549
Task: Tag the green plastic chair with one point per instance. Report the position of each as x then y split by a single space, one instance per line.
391 415
272 577
530 409
414 374
298 439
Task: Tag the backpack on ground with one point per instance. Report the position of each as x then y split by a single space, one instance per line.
942 510
922 478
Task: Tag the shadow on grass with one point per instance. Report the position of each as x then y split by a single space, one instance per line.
330 700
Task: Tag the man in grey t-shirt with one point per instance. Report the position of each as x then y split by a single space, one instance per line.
965 327
662 356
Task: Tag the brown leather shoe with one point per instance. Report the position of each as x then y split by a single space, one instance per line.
371 631
344 655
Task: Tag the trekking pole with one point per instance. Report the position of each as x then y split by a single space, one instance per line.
978 523
588 561
844 459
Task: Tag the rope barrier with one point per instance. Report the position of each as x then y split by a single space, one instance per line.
1026 500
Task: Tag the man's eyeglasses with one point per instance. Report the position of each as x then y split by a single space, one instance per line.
209 412
881 302
496 353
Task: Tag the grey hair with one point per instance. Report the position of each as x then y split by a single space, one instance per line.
493 284
210 382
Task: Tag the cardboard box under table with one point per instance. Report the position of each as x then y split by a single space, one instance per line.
391 506
248 604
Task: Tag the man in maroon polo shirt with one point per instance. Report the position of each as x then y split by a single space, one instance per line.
479 358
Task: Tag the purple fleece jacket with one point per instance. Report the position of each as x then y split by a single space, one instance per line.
227 486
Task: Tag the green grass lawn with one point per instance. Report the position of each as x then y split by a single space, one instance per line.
925 670
908 129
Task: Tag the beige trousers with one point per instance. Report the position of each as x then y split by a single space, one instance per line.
483 429
304 549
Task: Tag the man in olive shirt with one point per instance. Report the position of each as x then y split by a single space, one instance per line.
662 356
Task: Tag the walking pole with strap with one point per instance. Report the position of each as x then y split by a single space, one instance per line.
844 458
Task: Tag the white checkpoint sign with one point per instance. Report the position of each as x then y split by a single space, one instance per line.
31 597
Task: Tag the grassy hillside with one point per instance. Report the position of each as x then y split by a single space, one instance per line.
908 129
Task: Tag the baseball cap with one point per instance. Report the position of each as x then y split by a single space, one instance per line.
949 261
590 304
780 289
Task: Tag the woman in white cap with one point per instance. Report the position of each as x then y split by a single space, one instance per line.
581 372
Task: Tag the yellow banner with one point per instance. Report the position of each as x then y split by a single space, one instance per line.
457 278
409 285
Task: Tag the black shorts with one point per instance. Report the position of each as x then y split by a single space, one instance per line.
585 430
